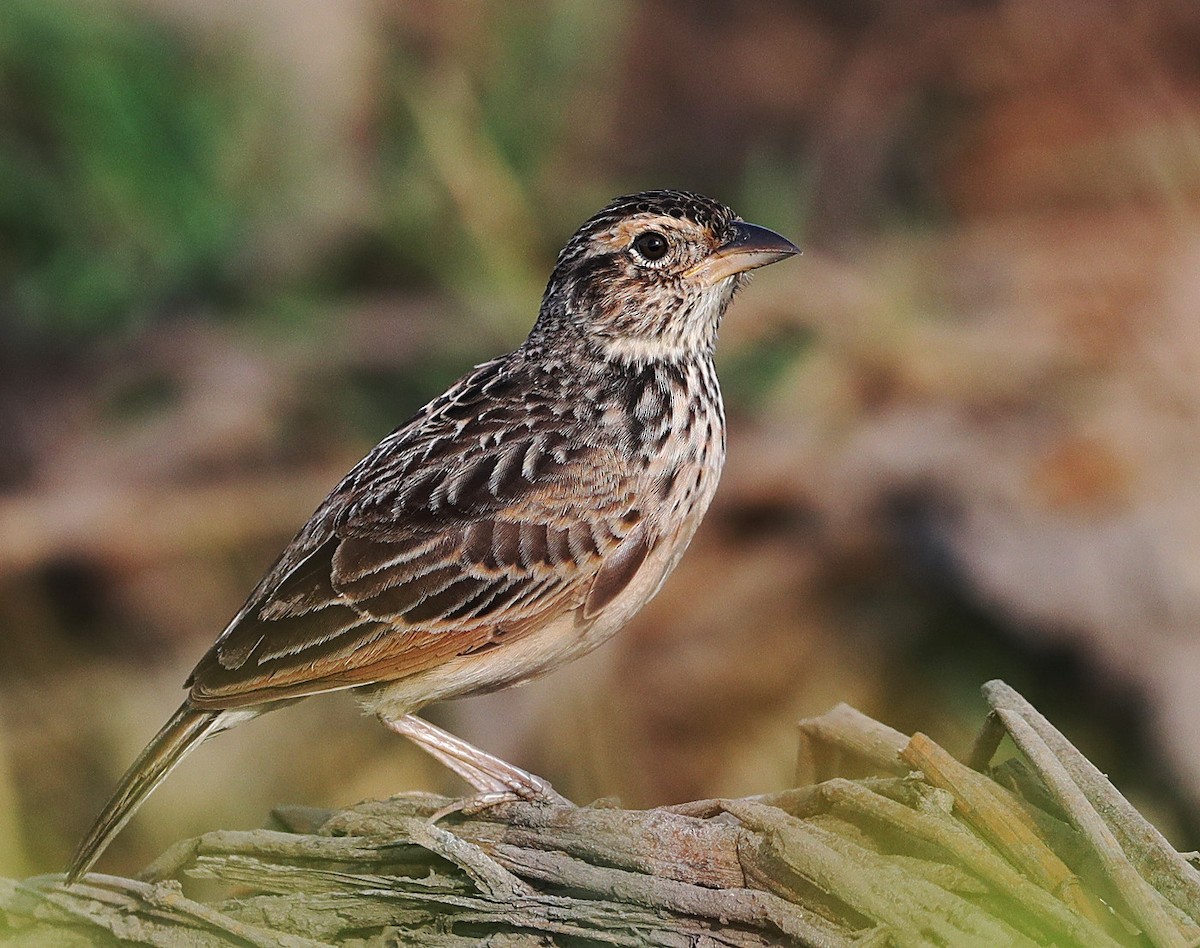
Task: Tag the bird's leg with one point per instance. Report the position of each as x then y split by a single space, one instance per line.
496 780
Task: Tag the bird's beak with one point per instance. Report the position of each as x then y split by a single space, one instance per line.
750 246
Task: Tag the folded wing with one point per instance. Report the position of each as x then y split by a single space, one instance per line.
442 541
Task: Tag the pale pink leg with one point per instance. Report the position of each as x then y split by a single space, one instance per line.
496 780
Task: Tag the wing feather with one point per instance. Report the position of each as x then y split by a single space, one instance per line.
442 541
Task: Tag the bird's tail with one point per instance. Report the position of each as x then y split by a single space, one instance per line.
179 736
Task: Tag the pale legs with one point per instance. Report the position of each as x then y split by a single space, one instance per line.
496 781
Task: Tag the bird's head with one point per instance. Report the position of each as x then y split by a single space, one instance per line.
651 274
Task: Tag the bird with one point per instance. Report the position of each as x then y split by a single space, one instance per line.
515 522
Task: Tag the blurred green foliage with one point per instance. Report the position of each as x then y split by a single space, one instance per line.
475 150
750 372
131 164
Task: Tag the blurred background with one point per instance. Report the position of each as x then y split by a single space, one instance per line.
240 240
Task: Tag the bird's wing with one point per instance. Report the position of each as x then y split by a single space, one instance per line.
461 531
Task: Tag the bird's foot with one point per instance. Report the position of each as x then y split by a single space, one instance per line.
495 780
473 805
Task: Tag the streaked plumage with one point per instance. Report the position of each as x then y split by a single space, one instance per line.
513 523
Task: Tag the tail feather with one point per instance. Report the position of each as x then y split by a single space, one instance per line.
187 728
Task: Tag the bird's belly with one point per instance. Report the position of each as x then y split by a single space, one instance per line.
506 663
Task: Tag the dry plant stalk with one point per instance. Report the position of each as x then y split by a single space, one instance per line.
932 853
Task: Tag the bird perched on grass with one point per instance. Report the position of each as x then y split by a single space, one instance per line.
515 522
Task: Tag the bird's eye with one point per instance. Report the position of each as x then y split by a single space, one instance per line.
651 245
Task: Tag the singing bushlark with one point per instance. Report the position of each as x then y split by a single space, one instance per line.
514 523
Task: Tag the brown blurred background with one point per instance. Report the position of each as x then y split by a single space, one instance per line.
242 239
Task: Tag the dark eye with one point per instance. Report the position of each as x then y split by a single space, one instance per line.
651 245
